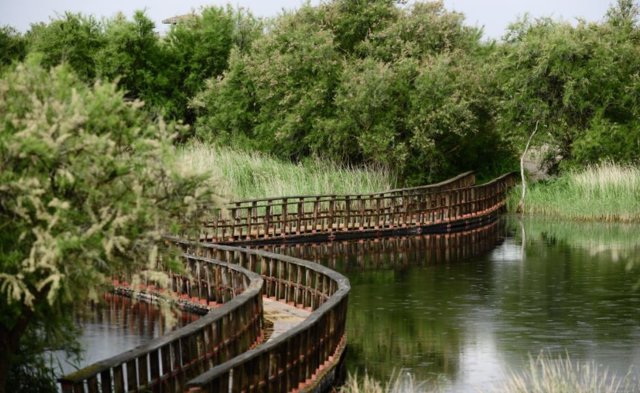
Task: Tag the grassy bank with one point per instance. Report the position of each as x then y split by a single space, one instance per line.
243 175
605 192
544 374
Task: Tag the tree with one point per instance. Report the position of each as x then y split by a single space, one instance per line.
287 79
133 56
73 38
580 83
199 47
12 46
85 194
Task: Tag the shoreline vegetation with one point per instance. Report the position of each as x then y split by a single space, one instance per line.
415 91
606 192
542 374
242 175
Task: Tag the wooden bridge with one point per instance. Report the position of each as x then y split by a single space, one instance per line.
227 349
453 204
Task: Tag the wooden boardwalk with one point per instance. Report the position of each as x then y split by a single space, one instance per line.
227 349
436 208
283 317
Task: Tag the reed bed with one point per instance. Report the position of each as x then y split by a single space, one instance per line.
241 175
544 374
605 192
562 375
402 382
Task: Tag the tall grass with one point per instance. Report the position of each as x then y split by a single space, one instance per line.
544 374
242 175
547 375
402 382
607 192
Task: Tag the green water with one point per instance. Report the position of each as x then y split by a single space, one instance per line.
464 312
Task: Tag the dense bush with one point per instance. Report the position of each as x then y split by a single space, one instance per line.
12 46
380 84
411 87
85 193
582 84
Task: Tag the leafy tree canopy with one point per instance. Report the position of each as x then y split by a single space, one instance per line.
86 193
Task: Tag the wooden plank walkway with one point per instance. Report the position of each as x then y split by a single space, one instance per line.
225 351
331 217
282 316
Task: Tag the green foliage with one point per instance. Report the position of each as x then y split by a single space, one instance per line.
286 83
361 83
133 56
351 22
85 194
73 38
12 46
581 83
426 29
411 87
199 48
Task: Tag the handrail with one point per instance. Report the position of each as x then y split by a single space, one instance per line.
462 180
167 361
193 357
293 358
286 218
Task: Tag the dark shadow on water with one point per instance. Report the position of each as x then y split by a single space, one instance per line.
463 310
119 324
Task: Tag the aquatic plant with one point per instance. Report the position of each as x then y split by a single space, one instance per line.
402 382
544 374
559 375
246 175
606 191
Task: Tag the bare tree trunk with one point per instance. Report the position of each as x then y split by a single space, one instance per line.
9 346
524 180
7 350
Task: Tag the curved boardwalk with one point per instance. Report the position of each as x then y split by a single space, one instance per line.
227 349
451 205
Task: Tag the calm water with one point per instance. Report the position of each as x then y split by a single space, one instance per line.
117 325
464 311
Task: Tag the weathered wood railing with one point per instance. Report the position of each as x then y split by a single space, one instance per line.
297 358
167 362
395 252
335 216
213 354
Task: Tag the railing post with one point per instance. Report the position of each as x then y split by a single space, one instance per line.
284 218
267 220
332 203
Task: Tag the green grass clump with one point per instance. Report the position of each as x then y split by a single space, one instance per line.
402 382
607 192
544 374
548 375
243 175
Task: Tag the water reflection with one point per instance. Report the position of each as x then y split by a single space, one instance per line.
119 324
464 310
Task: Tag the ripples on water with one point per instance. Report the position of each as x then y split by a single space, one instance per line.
461 311
464 311
117 325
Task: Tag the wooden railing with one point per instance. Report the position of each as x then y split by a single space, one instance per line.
167 362
298 357
322 217
296 216
395 252
219 352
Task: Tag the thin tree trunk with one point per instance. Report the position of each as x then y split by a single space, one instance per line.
524 180
9 346
7 350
